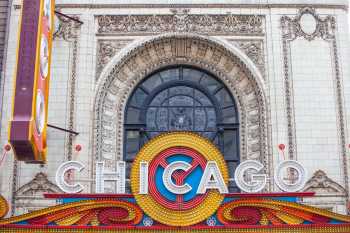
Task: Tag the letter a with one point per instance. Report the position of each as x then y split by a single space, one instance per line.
212 179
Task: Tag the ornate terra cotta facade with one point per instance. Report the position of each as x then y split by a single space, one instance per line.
283 66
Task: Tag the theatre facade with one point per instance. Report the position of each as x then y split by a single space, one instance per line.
152 106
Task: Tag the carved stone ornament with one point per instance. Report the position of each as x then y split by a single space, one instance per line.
320 183
67 29
222 59
181 21
39 185
254 49
106 49
309 25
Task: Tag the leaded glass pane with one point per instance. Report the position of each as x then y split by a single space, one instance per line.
181 100
133 115
159 99
161 120
170 75
229 115
202 98
132 145
152 82
230 145
181 118
192 75
200 116
210 83
138 98
224 98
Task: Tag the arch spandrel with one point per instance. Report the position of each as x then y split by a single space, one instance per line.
141 58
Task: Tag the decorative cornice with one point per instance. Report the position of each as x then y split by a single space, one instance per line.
37 186
181 21
320 183
233 5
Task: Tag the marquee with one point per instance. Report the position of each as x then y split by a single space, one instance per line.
179 184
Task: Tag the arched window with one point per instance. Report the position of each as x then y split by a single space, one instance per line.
182 98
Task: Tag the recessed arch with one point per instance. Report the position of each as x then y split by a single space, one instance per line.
138 60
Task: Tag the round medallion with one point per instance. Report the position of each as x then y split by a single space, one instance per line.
183 206
308 24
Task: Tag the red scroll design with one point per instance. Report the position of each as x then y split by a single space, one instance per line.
255 211
83 213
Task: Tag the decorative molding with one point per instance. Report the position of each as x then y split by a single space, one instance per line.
68 29
324 28
181 21
254 49
106 49
204 6
320 183
130 67
14 186
37 186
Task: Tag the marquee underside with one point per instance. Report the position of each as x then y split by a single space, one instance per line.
238 213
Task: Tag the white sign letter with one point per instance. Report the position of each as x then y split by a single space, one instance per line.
60 177
247 177
212 179
296 181
118 177
168 172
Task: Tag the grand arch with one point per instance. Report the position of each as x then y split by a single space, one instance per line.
140 58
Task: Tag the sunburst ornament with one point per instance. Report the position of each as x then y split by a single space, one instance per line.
181 209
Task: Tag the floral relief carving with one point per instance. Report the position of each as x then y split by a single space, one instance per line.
106 49
254 49
68 29
181 21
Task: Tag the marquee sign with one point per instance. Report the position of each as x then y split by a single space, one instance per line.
187 179
179 184
27 131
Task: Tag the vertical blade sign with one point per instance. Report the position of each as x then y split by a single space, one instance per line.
27 128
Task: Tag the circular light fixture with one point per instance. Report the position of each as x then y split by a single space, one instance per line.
47 12
40 112
44 56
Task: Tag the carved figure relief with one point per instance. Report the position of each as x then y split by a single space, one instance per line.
39 185
320 183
